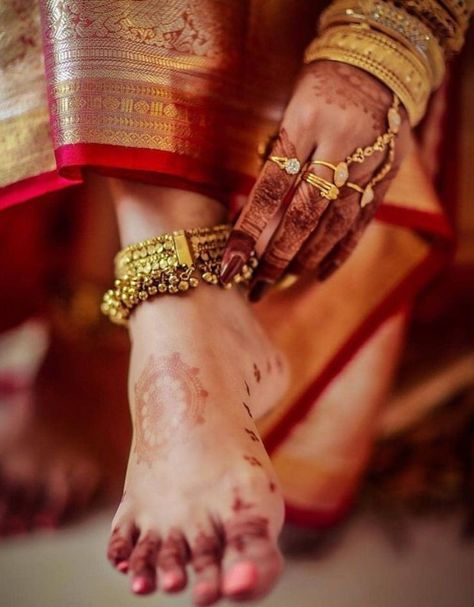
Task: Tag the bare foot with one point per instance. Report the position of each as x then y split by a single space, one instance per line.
200 489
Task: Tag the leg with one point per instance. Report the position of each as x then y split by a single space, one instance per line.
200 488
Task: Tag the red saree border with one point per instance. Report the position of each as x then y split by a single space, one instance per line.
318 519
396 299
33 187
151 166
433 223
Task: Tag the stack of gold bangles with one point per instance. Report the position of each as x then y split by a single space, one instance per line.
403 44
168 264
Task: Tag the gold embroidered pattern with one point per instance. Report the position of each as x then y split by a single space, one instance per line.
153 74
25 140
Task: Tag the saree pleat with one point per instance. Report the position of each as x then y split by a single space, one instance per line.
185 93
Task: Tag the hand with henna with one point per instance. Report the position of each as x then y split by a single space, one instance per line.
335 109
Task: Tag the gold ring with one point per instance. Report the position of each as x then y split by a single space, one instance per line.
328 190
291 166
341 176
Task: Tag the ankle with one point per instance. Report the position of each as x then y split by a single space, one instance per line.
144 210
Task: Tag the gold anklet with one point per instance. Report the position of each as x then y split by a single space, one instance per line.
168 264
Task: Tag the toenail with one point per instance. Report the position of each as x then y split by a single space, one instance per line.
171 579
141 585
122 566
242 576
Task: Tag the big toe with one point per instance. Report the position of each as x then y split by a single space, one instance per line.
252 563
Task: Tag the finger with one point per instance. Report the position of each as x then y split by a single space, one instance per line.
252 561
142 564
206 561
172 559
266 197
334 225
298 222
344 248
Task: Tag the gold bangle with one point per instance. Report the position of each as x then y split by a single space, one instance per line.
384 58
447 20
395 22
168 264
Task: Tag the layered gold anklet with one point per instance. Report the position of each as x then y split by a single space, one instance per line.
171 263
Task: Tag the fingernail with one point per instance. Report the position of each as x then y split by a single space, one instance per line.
260 288
231 268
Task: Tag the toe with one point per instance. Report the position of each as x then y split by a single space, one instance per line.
142 563
120 546
172 559
252 561
206 559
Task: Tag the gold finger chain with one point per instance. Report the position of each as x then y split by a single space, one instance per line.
331 190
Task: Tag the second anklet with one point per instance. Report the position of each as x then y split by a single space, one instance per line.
170 263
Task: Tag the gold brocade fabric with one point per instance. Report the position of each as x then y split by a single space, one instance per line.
25 140
204 79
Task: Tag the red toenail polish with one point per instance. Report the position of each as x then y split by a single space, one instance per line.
242 577
169 580
141 585
122 566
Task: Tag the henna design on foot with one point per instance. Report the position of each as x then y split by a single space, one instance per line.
239 504
247 409
252 435
257 373
239 533
247 387
165 381
253 461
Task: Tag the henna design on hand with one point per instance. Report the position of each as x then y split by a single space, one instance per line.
266 197
165 382
351 88
253 461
